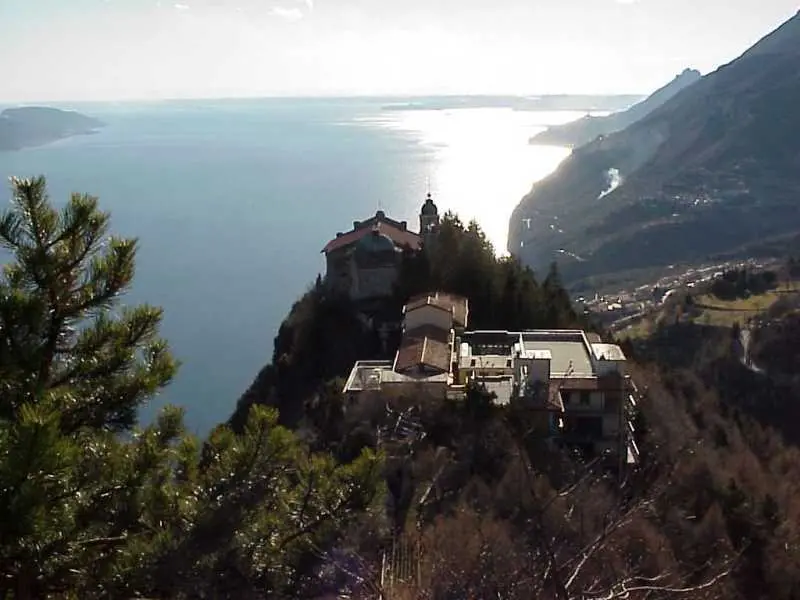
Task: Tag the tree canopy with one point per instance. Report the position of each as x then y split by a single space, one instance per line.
503 293
94 506
359 498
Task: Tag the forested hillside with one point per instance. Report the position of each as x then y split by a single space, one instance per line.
95 507
322 338
712 172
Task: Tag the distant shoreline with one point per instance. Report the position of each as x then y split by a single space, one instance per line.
34 126
532 102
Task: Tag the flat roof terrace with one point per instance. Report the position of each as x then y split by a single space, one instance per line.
367 375
370 374
569 359
570 351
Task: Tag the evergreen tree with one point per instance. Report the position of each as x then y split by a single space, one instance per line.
61 342
93 507
72 375
559 306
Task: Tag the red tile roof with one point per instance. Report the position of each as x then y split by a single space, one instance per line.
423 351
429 331
428 301
460 307
399 236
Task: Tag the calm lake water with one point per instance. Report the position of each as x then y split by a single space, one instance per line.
233 200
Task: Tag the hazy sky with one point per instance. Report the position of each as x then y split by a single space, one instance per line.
115 49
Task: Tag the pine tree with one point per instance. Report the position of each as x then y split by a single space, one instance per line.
93 507
263 512
73 375
557 301
61 340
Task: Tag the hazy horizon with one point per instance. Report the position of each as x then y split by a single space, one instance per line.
140 50
66 102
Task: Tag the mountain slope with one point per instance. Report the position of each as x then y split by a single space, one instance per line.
37 125
583 131
714 170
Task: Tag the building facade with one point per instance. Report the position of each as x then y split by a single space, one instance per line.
426 359
575 387
364 262
582 384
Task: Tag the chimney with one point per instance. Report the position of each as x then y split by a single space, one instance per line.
356 224
339 234
404 225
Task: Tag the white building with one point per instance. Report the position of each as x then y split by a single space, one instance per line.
583 384
575 386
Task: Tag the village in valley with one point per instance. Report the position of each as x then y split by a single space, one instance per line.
635 310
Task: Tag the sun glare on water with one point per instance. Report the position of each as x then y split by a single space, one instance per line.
481 163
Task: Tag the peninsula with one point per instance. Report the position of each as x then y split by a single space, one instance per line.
584 130
29 126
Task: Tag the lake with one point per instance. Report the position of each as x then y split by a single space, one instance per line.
233 200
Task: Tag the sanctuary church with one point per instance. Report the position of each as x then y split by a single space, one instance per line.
364 262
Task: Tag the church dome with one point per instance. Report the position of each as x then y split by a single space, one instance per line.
429 208
375 245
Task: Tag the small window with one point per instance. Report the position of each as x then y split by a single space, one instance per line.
472 363
585 398
508 363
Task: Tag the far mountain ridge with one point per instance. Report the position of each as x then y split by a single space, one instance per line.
545 102
713 171
28 126
588 128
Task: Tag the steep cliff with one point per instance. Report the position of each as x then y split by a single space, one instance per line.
713 170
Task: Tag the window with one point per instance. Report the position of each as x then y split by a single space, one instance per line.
585 398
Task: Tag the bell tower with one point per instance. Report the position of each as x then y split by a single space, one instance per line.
428 220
